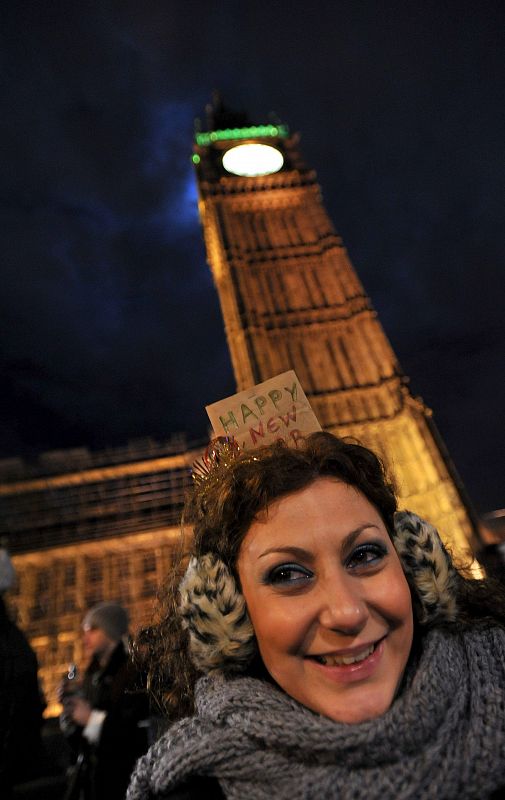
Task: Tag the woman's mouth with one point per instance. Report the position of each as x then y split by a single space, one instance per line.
335 660
350 666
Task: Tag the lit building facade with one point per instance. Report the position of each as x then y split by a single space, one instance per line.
82 528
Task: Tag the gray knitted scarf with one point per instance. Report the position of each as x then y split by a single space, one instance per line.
443 737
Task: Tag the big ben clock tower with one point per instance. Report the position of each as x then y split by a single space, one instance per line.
291 299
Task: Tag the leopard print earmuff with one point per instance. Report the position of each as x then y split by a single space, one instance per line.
221 634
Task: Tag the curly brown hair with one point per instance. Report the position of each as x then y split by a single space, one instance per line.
221 511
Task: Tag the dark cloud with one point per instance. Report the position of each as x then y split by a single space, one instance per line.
109 321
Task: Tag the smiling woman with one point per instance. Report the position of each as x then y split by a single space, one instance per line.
321 643
328 601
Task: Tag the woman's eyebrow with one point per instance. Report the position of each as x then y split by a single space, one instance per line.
300 552
297 552
350 538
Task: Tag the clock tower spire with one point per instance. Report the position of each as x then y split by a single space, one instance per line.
291 299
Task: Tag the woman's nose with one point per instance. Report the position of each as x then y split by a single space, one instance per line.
342 607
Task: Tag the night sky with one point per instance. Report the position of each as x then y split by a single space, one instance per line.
110 327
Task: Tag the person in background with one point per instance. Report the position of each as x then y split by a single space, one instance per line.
21 701
105 715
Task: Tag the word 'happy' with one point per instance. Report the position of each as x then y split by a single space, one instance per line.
275 396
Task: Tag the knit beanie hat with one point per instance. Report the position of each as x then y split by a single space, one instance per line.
7 573
111 618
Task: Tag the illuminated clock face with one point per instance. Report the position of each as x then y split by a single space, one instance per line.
251 160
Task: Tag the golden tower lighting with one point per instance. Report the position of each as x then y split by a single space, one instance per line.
291 299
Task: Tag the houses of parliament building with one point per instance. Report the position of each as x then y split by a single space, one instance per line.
83 527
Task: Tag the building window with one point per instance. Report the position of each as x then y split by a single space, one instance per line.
123 567
42 580
69 573
94 571
68 604
149 588
39 610
149 563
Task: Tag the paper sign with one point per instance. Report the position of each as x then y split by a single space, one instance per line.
272 410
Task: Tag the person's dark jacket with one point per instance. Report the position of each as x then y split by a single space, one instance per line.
201 788
21 707
116 690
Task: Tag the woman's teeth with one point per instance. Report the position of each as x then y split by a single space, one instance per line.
334 661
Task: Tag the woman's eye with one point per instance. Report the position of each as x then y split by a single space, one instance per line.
366 555
288 574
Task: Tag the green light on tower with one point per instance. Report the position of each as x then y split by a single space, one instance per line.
252 132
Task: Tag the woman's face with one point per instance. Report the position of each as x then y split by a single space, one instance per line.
328 600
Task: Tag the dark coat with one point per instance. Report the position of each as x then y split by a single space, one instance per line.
21 707
116 689
202 788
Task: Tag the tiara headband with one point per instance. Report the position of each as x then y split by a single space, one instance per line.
220 452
